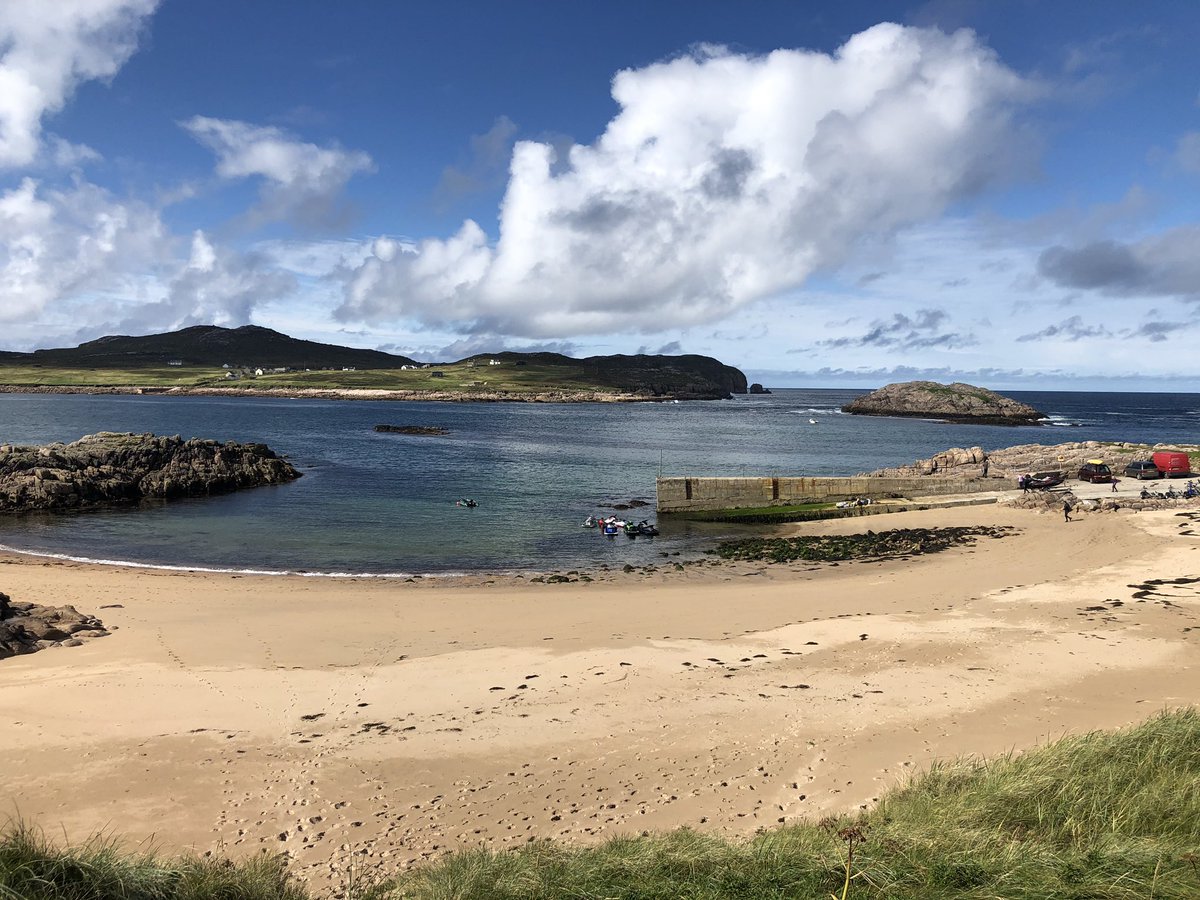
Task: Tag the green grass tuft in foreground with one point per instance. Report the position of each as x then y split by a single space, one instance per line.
1103 815
31 868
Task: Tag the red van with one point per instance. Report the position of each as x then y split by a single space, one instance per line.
1172 464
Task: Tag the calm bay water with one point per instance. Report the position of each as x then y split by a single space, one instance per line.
384 503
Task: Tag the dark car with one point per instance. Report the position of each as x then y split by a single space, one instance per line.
1095 471
1145 469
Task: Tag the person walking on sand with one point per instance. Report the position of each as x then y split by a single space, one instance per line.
1066 511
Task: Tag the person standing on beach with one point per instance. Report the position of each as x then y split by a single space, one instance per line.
1066 511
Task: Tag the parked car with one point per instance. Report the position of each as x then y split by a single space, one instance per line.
1142 470
1173 464
1095 471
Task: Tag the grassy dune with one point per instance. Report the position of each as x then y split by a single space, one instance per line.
1103 815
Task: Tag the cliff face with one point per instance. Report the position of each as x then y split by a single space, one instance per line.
108 469
956 402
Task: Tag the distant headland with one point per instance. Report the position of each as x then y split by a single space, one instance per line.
255 361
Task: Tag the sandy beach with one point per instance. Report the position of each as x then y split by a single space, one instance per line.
363 721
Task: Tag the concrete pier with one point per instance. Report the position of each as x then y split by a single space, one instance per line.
686 494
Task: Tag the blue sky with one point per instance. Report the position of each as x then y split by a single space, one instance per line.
819 193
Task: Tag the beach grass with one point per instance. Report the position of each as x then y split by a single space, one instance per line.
1102 815
34 868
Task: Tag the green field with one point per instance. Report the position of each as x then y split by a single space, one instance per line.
511 379
165 376
1103 815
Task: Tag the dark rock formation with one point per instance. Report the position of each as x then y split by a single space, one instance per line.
108 469
29 627
950 402
412 429
757 388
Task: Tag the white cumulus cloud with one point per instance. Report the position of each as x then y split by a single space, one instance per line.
47 47
724 178
56 243
303 182
78 261
216 286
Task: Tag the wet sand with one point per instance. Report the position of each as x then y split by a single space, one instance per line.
377 722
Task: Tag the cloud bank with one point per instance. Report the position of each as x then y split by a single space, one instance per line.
47 47
1165 265
724 178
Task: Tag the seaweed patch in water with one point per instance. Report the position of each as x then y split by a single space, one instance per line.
900 542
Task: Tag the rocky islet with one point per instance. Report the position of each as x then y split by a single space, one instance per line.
957 402
114 469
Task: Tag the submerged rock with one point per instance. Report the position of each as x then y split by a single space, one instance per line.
110 469
956 402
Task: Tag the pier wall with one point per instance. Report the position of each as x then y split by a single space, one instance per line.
679 494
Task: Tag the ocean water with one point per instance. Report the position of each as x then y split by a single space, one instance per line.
384 503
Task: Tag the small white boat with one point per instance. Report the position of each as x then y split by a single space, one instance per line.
812 421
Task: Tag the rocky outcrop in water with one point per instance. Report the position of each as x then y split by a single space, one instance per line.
956 402
429 430
109 469
29 627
